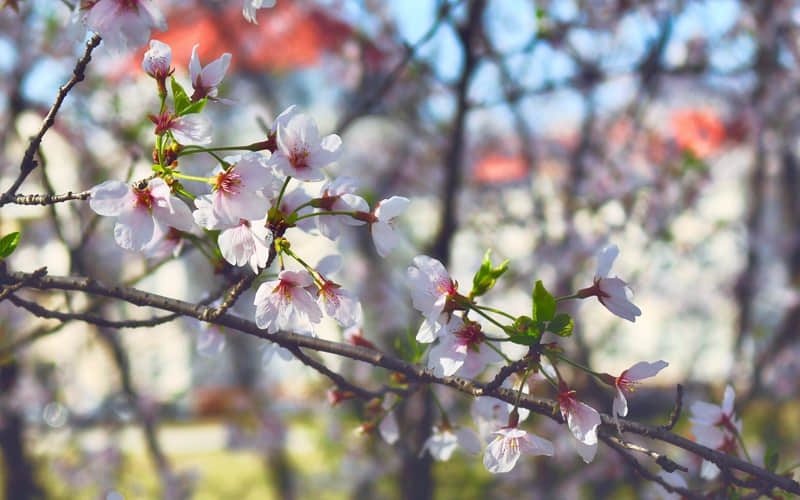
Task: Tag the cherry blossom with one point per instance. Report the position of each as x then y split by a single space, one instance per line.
715 427
490 413
240 241
157 60
166 244
205 80
431 286
582 421
282 303
462 349
382 226
627 381
122 24
251 6
509 444
444 440
242 190
188 130
143 214
241 245
339 304
337 196
292 201
612 292
301 153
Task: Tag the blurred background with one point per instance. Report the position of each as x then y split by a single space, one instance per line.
543 130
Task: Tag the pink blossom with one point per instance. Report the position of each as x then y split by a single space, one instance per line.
241 245
301 153
188 130
241 191
509 444
382 227
582 421
251 6
337 196
462 349
205 80
339 304
292 201
122 24
715 427
239 241
163 245
282 303
490 413
443 441
157 60
143 214
612 292
430 285
626 383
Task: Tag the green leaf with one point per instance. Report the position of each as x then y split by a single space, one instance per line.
8 244
561 325
523 339
195 107
524 331
183 104
544 305
179 96
486 277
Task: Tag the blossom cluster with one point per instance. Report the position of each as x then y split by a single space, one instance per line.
462 347
254 198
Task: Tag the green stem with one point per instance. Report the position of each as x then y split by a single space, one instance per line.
492 309
316 214
498 351
491 320
178 175
200 149
578 366
283 190
311 270
568 297
741 442
521 387
439 405
547 376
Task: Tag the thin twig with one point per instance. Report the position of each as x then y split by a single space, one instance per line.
28 163
337 379
676 410
43 312
48 199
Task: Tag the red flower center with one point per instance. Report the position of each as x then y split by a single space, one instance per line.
228 182
471 334
143 198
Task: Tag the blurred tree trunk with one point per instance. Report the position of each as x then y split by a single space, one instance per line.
18 473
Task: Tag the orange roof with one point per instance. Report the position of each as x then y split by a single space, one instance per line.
498 168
